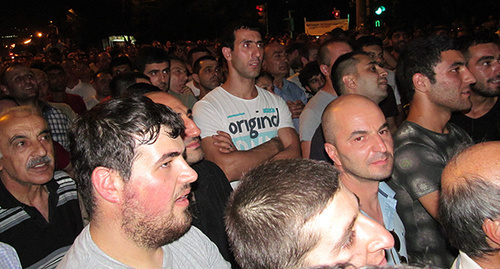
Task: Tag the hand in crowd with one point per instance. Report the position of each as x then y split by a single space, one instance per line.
224 142
295 107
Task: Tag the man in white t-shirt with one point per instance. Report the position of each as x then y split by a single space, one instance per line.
258 122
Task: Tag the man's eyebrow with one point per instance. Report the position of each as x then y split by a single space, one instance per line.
358 132
16 137
385 125
44 131
166 156
457 63
484 58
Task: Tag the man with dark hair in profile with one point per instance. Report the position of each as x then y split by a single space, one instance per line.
259 122
482 122
134 181
469 206
433 71
353 73
154 63
296 213
310 118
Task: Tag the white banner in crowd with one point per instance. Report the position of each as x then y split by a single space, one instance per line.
318 28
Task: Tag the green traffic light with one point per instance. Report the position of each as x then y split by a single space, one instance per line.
379 10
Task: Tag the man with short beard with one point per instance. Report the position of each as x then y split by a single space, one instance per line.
432 70
482 121
128 158
359 142
39 212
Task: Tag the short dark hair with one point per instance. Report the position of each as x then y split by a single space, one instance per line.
195 50
324 52
197 65
138 89
369 40
344 65
122 81
109 134
54 67
150 55
310 69
267 214
228 36
465 42
122 60
421 56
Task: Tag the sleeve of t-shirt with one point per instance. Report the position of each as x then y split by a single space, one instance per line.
417 169
207 119
308 122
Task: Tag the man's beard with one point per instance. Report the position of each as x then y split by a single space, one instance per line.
149 231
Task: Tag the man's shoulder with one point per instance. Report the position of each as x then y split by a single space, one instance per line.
196 250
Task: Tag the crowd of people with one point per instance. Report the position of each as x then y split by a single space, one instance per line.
350 149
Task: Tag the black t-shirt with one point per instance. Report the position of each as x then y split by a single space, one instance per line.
485 128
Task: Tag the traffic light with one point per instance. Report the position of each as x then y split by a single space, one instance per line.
380 10
262 11
336 13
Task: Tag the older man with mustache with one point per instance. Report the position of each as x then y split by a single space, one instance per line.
39 212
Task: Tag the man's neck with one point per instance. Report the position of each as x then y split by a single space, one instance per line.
489 261
278 81
480 105
367 192
429 116
58 97
108 235
72 82
240 87
329 88
33 195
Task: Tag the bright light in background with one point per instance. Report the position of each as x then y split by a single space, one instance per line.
39 34
27 41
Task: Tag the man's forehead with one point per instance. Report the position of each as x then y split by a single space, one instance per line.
247 34
208 63
18 70
157 66
451 57
168 100
21 121
486 49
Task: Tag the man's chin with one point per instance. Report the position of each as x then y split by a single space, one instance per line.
194 156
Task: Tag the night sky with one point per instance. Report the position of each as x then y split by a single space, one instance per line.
199 19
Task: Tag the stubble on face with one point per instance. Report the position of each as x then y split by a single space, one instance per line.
148 230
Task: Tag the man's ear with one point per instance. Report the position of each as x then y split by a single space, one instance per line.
421 82
304 60
196 78
492 230
349 81
226 52
325 70
332 152
4 89
107 183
